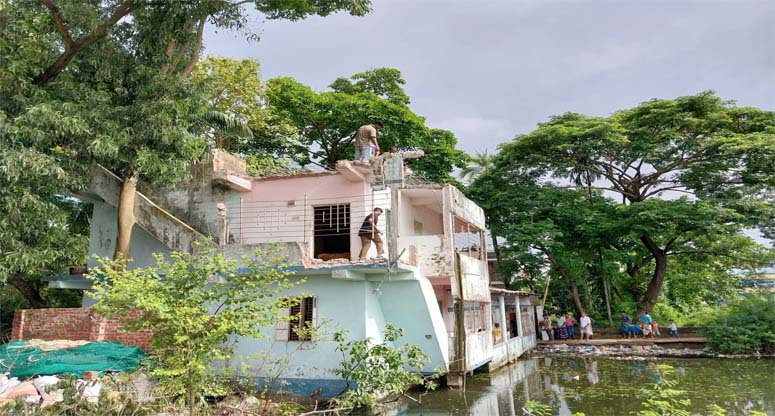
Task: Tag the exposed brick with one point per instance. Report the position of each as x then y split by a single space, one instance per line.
75 324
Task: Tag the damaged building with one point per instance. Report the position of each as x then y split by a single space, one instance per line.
433 281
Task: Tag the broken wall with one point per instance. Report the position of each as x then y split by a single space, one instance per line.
76 324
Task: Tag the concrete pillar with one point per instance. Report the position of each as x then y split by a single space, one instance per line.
519 316
502 305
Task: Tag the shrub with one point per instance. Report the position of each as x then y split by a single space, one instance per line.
374 372
194 304
746 325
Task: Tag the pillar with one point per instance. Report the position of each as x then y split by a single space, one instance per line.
502 305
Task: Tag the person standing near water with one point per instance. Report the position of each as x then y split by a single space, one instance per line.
586 326
570 325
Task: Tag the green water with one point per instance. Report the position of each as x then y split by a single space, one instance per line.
605 386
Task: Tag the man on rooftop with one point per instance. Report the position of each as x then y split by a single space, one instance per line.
369 232
365 139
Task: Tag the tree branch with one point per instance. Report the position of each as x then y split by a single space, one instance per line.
56 15
100 32
197 49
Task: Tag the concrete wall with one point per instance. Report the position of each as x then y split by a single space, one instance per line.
77 324
194 199
478 349
282 209
466 209
476 285
362 308
102 241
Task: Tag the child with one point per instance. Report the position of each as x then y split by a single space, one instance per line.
655 328
673 329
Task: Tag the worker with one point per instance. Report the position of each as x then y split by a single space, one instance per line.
369 232
365 139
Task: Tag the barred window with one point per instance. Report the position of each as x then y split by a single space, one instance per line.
294 322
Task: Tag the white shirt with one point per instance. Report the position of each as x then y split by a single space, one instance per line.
585 321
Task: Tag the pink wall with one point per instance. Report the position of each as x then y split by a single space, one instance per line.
282 209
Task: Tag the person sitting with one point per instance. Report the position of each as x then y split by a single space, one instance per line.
624 328
497 333
673 329
633 330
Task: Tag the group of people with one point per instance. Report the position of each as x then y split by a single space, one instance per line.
646 326
564 327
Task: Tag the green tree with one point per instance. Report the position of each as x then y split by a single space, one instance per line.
119 71
194 304
699 146
479 163
328 120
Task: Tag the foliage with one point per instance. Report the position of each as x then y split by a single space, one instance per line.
637 234
234 88
377 371
479 163
194 304
108 82
746 325
327 121
664 399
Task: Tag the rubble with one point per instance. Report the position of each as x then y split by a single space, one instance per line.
619 351
320 263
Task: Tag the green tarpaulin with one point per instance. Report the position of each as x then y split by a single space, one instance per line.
24 361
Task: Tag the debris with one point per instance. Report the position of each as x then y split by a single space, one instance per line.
60 344
91 375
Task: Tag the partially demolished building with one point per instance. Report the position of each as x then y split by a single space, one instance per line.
434 282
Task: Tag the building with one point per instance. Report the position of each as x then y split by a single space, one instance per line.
434 282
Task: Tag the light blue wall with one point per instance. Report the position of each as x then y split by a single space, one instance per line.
354 306
102 242
412 305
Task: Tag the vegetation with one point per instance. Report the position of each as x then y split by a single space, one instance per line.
376 371
194 305
111 83
650 203
327 121
744 326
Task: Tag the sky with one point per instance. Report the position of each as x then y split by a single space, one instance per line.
489 69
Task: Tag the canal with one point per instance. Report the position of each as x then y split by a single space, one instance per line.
605 386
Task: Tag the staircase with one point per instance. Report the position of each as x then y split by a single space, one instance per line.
167 228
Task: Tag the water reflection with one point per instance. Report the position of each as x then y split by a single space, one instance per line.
601 386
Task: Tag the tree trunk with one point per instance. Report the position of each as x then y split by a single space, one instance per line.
126 217
30 290
605 287
574 291
649 298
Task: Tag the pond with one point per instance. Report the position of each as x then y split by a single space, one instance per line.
605 386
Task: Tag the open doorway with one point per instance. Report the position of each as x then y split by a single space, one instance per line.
332 232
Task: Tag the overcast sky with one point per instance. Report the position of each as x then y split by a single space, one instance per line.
488 70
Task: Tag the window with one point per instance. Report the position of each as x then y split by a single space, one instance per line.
468 239
332 231
475 316
295 322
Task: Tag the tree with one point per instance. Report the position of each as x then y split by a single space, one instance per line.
480 163
121 69
698 146
327 121
195 306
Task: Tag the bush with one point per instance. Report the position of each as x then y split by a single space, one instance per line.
746 325
376 372
194 304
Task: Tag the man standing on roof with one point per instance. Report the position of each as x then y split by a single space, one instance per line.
365 139
369 232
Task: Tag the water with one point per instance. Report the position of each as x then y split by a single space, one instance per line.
605 386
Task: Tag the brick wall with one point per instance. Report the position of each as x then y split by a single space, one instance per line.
74 324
